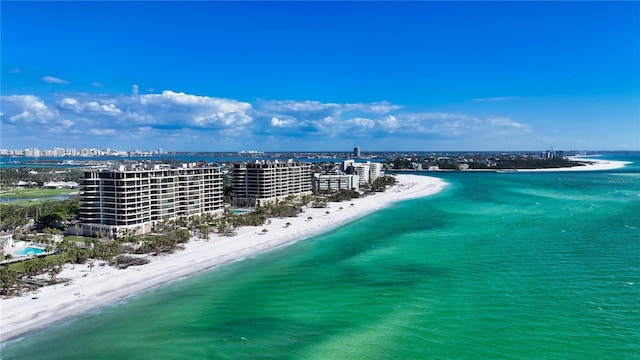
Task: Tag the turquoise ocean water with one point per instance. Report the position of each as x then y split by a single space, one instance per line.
498 266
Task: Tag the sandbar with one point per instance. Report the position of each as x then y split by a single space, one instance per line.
591 165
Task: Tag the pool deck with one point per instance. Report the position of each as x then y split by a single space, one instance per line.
29 251
19 246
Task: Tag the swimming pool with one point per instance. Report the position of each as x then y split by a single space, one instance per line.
29 250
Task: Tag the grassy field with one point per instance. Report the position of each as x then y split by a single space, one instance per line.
19 266
28 194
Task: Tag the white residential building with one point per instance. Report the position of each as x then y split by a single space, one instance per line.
367 172
136 197
6 240
336 182
375 170
263 182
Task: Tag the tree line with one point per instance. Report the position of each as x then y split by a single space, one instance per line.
43 214
9 177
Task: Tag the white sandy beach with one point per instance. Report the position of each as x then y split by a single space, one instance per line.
104 284
592 165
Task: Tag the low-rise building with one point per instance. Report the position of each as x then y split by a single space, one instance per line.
336 182
60 185
6 240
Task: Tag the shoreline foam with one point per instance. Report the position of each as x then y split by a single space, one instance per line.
104 285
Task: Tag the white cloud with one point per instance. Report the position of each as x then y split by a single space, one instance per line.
62 126
389 122
312 118
295 106
382 107
282 123
316 107
179 117
194 110
101 132
303 118
361 123
71 102
436 124
96 84
504 121
90 107
54 80
20 109
505 124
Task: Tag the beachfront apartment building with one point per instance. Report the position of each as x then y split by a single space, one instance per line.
336 182
261 182
367 172
137 196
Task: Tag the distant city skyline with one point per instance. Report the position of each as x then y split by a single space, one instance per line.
320 76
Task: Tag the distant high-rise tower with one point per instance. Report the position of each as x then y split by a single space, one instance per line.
356 151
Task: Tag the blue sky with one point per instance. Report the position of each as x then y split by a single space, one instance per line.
320 76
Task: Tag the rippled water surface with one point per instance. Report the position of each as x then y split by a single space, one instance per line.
499 266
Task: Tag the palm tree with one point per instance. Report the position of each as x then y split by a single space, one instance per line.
29 267
56 268
48 236
72 255
221 225
203 229
8 278
182 235
207 218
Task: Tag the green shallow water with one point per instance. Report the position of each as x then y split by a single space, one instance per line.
498 266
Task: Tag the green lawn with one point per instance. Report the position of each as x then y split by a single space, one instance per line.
19 266
35 193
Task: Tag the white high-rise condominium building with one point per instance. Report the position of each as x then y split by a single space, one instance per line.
263 182
366 171
136 197
375 170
